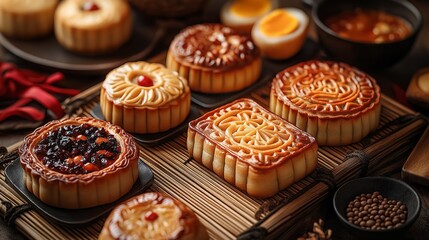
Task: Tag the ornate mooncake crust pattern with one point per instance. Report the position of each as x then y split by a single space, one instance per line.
326 89
153 216
254 135
252 148
332 101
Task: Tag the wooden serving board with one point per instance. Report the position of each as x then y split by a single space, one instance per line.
416 168
227 212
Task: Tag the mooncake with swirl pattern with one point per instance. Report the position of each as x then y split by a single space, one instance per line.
214 58
145 97
252 148
336 103
79 162
153 215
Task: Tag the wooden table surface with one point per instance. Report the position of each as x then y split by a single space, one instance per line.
393 82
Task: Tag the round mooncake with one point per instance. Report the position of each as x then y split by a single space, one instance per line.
145 97
153 215
214 58
334 102
79 162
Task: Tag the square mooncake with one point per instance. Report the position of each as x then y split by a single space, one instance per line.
252 148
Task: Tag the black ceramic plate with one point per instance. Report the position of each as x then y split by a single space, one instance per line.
154 138
215 100
49 53
76 217
269 69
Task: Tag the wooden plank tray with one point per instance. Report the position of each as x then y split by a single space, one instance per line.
227 212
416 168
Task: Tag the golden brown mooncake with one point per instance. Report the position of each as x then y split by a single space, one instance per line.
79 162
334 102
152 215
214 58
27 19
145 97
252 148
93 27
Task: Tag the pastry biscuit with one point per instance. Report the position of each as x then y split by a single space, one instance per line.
152 215
79 162
334 102
252 148
214 58
92 27
27 19
145 97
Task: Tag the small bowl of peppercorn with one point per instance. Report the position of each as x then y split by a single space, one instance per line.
377 207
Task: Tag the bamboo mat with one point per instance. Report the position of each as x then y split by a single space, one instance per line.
225 211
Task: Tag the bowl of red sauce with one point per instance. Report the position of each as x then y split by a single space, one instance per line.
366 33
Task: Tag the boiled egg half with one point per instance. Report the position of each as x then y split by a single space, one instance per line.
242 14
281 33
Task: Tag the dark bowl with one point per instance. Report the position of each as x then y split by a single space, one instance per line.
389 188
369 56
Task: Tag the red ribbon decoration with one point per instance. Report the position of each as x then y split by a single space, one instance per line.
26 86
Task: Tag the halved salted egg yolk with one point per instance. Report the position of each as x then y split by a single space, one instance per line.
250 8
278 23
281 33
